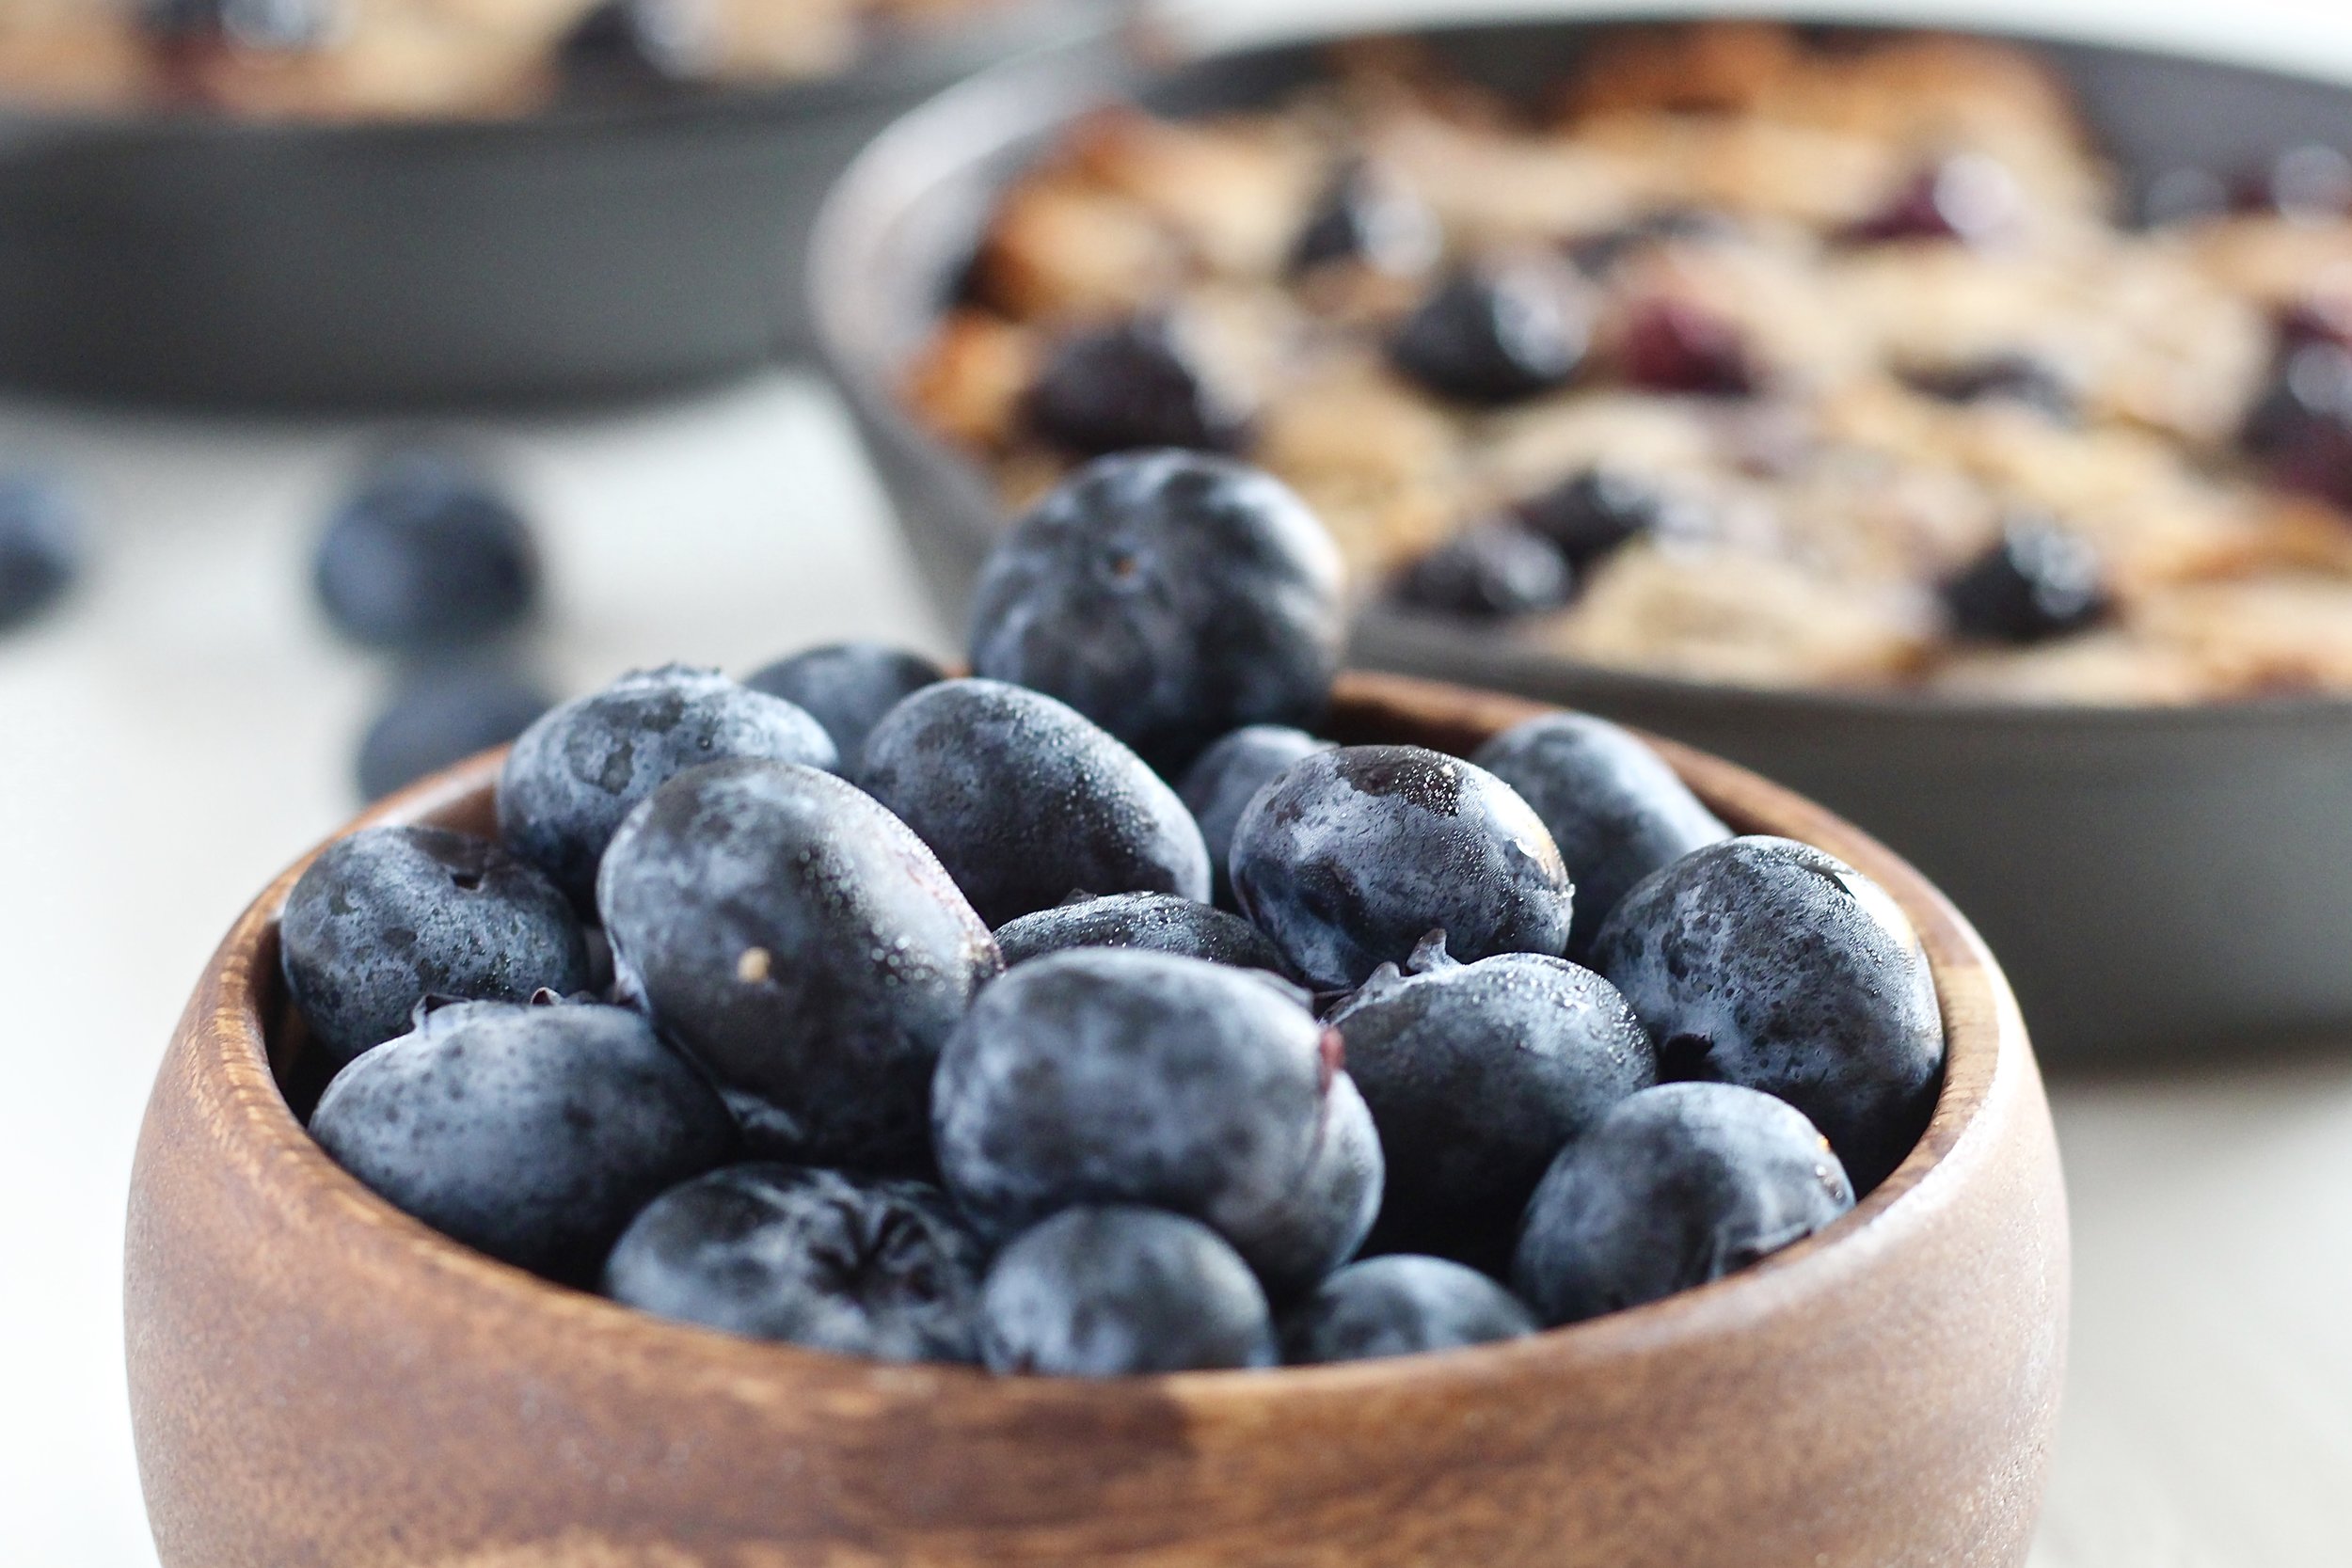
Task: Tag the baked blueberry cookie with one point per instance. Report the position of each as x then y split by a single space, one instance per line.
1741 354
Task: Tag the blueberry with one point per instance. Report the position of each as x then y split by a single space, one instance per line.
1222 779
1106 1292
1401 1306
2014 378
442 715
1366 217
2301 425
578 770
803 946
1679 1184
1614 808
1476 1074
1025 802
2038 581
1351 856
389 916
40 546
1594 511
1770 964
2309 184
1670 345
531 1134
1134 384
1169 598
643 42
263 25
1965 196
426 555
1497 333
1331 1213
856 1265
846 687
1108 1075
1489 571
1154 921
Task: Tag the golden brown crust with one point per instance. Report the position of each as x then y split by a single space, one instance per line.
969 380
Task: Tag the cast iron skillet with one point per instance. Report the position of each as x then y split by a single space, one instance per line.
2155 880
583 252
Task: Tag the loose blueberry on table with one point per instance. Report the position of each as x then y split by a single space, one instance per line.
1404 1097
427 554
441 713
40 546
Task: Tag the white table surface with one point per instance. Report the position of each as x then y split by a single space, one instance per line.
185 726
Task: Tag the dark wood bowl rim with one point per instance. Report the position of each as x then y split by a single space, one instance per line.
1986 1045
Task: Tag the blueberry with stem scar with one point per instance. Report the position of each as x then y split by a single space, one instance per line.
388 917
1170 598
1351 856
878 1267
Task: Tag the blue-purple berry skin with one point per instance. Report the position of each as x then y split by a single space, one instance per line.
1401 1304
532 1134
1105 1075
1331 1212
1773 965
1154 921
440 716
1498 333
1680 1184
40 546
578 770
1114 1290
1168 596
426 555
1025 801
1350 858
848 687
1477 1074
389 916
1138 383
1614 806
1489 572
1221 780
803 946
874 1266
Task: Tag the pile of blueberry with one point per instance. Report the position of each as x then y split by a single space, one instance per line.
1091 1016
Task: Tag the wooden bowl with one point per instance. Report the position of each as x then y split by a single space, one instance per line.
315 1378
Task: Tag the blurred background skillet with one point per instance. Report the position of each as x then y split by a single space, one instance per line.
2158 879
606 244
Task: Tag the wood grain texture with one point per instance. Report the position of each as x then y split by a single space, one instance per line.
318 1380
